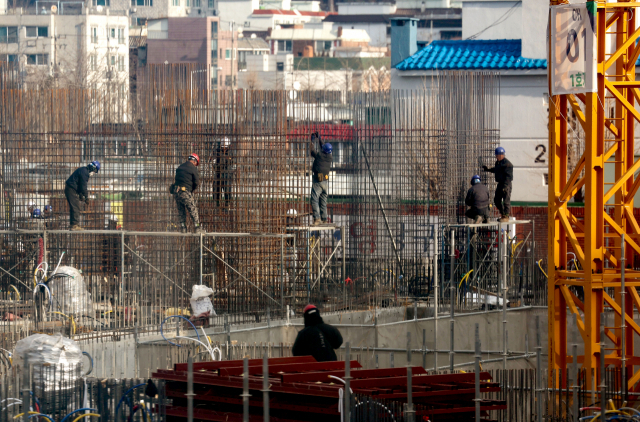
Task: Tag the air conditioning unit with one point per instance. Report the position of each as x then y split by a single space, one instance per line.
199 11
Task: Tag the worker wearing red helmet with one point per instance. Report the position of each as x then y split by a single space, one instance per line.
317 339
186 182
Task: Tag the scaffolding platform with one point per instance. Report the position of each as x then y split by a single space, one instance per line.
491 224
314 228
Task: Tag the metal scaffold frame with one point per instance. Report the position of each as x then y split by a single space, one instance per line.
609 232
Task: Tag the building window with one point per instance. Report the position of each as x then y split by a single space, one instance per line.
141 2
175 2
93 60
285 46
227 80
545 179
101 3
280 66
112 33
94 34
37 31
8 34
323 45
121 36
214 49
211 5
9 58
214 29
120 63
38 59
141 21
188 3
227 54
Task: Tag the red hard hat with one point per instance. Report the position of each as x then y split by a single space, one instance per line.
195 156
308 308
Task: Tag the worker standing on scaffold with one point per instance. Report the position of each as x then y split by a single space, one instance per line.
320 186
478 201
76 191
503 170
186 182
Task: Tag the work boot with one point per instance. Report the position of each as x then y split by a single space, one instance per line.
478 220
183 228
200 229
317 223
75 228
504 219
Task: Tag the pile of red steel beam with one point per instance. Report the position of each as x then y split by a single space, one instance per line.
301 389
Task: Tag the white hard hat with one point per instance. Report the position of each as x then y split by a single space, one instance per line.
226 142
292 212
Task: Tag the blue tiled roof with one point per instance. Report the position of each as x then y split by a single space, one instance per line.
471 54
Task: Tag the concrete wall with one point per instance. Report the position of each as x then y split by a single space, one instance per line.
534 29
479 15
366 8
377 32
186 43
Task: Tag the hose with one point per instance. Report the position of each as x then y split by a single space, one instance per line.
76 411
73 323
464 278
85 416
48 290
540 266
31 412
177 316
17 292
59 261
124 396
90 369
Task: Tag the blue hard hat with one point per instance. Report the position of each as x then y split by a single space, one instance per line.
94 165
499 151
48 208
36 213
475 179
327 148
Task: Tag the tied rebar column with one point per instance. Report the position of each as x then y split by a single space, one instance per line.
603 385
576 375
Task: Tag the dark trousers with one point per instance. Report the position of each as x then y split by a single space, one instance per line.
74 205
222 184
474 212
319 200
502 198
186 203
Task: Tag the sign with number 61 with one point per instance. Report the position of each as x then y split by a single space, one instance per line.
573 48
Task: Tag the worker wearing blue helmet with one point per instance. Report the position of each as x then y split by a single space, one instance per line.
503 171
477 200
320 185
76 191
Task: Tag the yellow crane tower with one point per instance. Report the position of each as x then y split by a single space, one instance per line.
601 98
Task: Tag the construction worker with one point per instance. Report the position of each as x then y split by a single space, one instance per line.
478 201
76 191
320 186
317 339
186 182
503 171
223 175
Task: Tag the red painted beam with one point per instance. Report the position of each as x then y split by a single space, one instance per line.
211 366
289 368
453 395
419 380
356 374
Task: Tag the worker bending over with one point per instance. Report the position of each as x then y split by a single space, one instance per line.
320 186
186 182
503 171
317 339
478 199
75 191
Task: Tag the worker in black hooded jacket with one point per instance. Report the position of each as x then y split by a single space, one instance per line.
503 171
478 201
317 339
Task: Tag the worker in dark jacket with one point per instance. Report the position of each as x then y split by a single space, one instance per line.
503 171
317 339
320 186
76 191
478 201
186 182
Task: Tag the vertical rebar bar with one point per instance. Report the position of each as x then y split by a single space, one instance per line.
265 387
190 389
478 356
